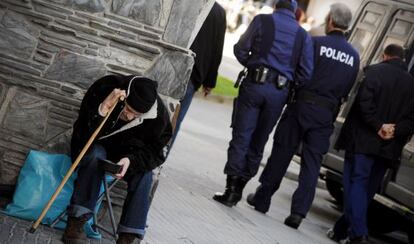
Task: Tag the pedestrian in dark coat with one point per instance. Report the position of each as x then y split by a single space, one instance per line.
208 48
309 119
134 136
379 124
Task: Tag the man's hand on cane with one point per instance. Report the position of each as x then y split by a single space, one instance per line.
111 100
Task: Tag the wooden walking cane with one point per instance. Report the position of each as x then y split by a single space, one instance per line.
71 169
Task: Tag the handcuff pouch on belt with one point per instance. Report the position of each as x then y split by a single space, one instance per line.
281 82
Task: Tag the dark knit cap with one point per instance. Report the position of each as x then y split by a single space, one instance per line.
142 94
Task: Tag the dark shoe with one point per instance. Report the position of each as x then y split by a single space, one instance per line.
233 193
250 199
252 202
359 240
74 233
334 237
128 238
293 220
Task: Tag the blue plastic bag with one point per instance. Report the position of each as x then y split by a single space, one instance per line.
39 177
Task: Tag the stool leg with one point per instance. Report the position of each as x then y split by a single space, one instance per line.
109 204
59 218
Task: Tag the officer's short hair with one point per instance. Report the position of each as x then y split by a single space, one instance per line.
341 15
394 50
292 5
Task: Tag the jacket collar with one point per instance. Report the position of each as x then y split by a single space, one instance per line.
336 33
151 114
285 11
397 62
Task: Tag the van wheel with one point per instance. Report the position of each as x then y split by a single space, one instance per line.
335 189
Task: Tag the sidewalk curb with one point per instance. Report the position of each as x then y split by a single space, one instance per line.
215 98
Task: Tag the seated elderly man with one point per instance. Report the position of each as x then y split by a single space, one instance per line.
133 136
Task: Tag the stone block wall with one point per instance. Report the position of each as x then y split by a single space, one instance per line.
52 50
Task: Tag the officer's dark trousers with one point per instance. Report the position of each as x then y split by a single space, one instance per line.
362 178
88 184
255 113
301 122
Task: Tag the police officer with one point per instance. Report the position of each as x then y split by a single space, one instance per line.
310 118
379 124
275 50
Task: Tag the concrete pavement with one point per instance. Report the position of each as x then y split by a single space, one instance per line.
192 174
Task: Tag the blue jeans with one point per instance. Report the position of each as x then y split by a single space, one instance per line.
184 106
362 178
88 185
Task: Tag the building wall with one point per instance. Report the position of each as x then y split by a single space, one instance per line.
52 50
318 9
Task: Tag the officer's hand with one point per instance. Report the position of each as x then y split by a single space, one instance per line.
206 90
125 164
111 100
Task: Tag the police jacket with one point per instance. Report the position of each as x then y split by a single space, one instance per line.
208 48
385 96
141 140
336 66
249 49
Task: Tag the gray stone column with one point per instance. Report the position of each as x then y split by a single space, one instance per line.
52 50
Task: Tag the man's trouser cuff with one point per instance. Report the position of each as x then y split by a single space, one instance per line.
78 211
125 229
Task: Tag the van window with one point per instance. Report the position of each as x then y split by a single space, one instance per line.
400 31
367 27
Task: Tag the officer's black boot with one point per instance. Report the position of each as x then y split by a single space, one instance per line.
233 193
251 200
260 200
294 220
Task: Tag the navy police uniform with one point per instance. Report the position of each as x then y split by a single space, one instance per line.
275 50
310 120
258 105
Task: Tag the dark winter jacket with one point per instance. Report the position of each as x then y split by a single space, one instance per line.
208 47
386 96
143 144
